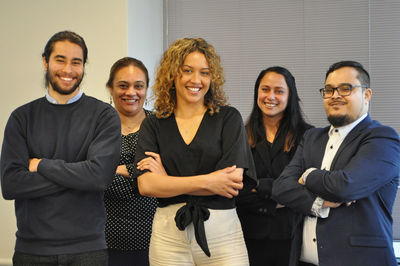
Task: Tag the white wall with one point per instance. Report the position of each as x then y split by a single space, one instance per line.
145 35
25 27
111 29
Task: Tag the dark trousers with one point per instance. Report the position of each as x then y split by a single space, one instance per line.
266 252
128 258
92 258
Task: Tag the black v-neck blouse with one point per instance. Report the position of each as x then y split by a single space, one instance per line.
220 142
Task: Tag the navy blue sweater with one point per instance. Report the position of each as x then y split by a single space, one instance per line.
59 208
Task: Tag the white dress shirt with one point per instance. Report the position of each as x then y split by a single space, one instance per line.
309 249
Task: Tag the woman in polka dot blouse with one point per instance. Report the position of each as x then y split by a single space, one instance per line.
129 215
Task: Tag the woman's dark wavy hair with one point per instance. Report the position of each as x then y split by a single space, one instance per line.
292 124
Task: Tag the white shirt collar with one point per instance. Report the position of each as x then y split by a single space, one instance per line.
344 130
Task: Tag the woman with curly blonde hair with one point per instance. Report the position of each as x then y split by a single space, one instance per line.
206 159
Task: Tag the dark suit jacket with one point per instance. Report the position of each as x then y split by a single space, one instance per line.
366 169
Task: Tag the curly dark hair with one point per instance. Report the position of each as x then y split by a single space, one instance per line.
170 68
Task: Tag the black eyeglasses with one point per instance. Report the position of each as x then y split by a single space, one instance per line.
343 89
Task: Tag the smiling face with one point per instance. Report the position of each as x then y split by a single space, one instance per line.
343 110
64 71
273 95
193 81
129 90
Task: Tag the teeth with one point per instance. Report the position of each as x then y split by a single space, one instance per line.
270 104
67 79
194 89
131 100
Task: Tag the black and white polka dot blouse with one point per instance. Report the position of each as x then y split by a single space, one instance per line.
129 215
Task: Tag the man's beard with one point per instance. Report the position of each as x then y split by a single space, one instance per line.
339 121
58 89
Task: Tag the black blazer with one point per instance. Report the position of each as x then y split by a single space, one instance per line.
257 211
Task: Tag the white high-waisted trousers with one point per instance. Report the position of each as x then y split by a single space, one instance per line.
171 247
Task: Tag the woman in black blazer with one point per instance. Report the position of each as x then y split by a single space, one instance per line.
274 129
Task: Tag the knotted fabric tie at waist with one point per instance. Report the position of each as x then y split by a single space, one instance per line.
192 212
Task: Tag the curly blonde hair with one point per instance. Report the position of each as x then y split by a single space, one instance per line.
170 68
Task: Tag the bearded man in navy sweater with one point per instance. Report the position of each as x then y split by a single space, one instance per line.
59 154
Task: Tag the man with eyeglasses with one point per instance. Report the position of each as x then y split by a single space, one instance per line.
344 179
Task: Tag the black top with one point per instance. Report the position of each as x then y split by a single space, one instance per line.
220 142
129 215
60 207
257 211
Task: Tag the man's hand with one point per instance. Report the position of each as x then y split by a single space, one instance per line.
337 204
330 204
33 164
350 202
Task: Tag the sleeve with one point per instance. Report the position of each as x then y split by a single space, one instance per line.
147 141
318 209
374 164
132 174
286 189
264 190
131 169
121 188
97 171
235 147
264 186
17 182
259 199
